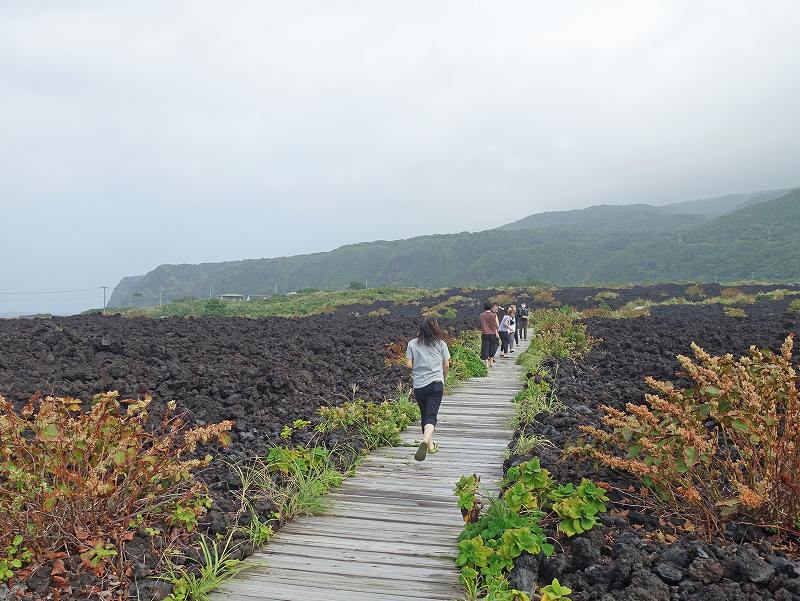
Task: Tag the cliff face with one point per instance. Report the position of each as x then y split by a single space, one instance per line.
124 291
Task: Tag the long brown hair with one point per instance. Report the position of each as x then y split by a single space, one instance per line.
429 331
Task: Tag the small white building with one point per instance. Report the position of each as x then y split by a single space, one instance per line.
231 297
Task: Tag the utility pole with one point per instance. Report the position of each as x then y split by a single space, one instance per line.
160 294
210 288
104 296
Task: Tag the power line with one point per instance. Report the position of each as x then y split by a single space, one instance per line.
55 291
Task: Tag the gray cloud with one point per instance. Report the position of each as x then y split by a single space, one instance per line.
133 134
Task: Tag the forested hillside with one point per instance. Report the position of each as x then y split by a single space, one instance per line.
610 244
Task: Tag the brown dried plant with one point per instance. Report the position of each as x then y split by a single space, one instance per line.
730 292
74 479
727 448
695 290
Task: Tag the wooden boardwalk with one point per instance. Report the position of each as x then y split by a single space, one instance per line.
392 532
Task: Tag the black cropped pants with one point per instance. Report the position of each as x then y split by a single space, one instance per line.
429 398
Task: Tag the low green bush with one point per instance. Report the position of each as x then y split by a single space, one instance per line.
498 530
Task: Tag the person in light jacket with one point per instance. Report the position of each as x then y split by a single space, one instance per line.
428 358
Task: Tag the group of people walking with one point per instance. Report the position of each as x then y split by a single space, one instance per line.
428 358
504 333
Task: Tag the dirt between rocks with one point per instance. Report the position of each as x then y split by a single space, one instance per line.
618 560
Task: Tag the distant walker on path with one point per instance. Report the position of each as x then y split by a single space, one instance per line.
522 322
489 333
507 327
428 358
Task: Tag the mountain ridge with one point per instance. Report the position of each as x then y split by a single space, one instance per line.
604 243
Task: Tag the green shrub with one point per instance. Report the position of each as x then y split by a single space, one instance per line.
214 307
377 424
513 524
794 306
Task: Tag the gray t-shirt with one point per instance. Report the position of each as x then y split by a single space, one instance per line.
427 361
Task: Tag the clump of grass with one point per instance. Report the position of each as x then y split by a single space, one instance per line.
605 295
379 312
535 399
527 443
445 309
295 481
734 312
794 306
214 567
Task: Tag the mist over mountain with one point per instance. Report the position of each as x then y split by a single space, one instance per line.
743 236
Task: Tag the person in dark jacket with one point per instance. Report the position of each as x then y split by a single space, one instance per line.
522 321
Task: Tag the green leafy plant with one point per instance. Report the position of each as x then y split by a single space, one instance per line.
257 531
466 490
474 553
297 459
518 540
519 497
16 556
530 474
578 507
97 553
185 513
555 591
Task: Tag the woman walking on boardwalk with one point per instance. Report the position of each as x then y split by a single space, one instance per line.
507 327
489 333
428 358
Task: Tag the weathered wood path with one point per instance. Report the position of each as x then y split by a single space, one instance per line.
392 533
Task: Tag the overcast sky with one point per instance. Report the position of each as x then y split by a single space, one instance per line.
139 133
